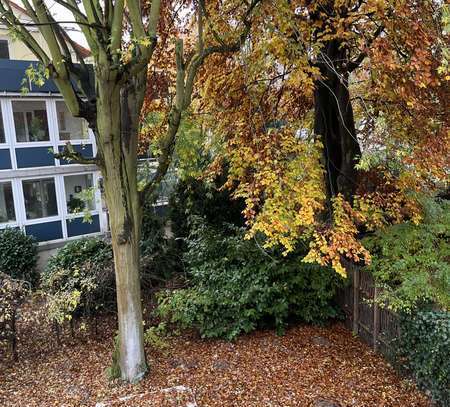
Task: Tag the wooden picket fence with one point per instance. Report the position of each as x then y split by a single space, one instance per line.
377 326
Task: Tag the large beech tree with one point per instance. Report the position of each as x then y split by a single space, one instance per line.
335 119
123 39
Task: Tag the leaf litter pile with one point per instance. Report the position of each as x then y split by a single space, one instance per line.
308 366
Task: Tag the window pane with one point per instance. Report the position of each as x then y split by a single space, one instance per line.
70 128
7 213
4 49
40 198
79 193
2 129
30 120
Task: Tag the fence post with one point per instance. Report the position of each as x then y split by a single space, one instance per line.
355 300
376 319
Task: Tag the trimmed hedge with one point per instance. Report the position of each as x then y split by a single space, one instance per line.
18 255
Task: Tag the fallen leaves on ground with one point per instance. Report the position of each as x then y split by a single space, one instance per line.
306 366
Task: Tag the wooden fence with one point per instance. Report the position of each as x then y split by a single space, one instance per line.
377 326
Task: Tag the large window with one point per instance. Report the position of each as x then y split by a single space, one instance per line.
79 193
30 120
40 198
7 213
70 128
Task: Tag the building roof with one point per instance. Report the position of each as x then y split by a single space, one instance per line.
84 52
12 75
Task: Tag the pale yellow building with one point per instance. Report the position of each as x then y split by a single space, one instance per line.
11 48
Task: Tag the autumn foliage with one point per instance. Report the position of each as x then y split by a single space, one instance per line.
385 63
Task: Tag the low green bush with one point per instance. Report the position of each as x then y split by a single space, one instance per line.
424 350
156 337
18 255
411 262
79 279
236 287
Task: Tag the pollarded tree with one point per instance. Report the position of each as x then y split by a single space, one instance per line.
123 39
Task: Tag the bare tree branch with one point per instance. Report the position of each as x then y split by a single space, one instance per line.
68 153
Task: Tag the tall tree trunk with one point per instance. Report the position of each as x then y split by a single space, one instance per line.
334 122
118 108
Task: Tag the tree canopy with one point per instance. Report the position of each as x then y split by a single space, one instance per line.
335 118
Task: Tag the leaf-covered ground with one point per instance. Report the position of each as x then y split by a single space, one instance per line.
308 366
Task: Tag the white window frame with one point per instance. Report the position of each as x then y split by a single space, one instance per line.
5 143
52 121
16 222
27 221
8 139
94 211
86 140
49 124
63 214
61 143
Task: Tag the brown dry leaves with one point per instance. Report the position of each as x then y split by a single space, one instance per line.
261 369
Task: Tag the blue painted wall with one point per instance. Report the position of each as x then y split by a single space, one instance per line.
45 231
29 157
12 72
85 150
5 160
76 227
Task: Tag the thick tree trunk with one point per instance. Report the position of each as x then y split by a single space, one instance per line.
335 123
118 109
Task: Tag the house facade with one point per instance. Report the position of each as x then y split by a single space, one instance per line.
53 200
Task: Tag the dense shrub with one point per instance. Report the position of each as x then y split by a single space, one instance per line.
160 257
79 279
411 263
235 286
424 348
196 197
18 255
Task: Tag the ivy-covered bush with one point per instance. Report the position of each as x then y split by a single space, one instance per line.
235 286
79 279
424 349
411 263
18 255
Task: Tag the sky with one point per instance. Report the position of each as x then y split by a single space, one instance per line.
60 13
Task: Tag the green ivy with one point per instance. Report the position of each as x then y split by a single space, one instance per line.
236 287
424 348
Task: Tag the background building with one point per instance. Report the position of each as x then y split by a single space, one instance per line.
44 196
